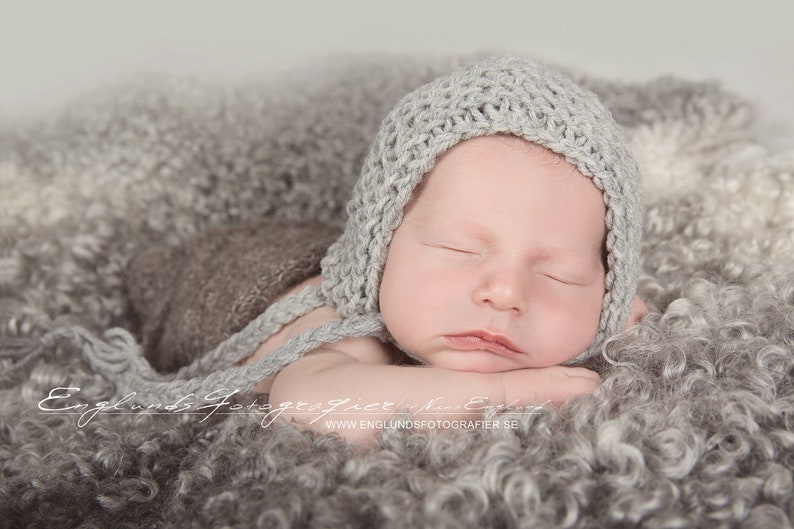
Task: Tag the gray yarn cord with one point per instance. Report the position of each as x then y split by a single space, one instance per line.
120 357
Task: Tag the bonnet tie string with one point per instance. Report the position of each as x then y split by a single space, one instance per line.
120 358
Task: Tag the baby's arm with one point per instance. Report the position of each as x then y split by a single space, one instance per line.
372 390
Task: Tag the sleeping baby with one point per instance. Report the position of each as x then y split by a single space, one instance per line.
495 276
498 266
492 245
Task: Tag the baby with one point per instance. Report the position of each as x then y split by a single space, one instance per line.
503 262
495 276
492 243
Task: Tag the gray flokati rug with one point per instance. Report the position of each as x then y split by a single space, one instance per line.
694 424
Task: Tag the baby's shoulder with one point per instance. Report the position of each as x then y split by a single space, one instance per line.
364 349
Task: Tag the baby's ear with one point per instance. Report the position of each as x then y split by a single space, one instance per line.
638 311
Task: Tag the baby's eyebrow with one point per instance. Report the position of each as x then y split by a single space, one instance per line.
428 219
455 226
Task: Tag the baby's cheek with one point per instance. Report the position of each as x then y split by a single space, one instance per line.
585 323
568 326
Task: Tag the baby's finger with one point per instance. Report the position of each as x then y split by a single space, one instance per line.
573 381
582 372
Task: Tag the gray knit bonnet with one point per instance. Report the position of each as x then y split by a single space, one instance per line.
500 95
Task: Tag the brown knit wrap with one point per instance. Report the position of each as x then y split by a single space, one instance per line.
190 297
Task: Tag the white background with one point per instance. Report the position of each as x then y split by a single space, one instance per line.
51 51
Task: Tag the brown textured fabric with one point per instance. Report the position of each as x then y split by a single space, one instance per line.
189 298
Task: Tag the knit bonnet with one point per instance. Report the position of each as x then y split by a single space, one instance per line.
500 95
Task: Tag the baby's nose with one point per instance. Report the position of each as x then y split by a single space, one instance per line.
503 289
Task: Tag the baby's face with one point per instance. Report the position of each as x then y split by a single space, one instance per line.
497 264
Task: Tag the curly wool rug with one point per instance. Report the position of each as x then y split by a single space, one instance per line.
693 425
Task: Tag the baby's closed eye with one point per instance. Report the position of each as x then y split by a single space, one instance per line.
453 245
560 278
459 249
569 277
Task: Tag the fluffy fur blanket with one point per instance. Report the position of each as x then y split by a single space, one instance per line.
693 425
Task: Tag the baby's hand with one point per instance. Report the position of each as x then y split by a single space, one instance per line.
554 384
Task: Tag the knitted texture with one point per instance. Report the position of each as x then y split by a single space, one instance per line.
190 297
507 95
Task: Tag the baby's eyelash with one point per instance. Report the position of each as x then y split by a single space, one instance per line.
457 250
560 280
453 249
